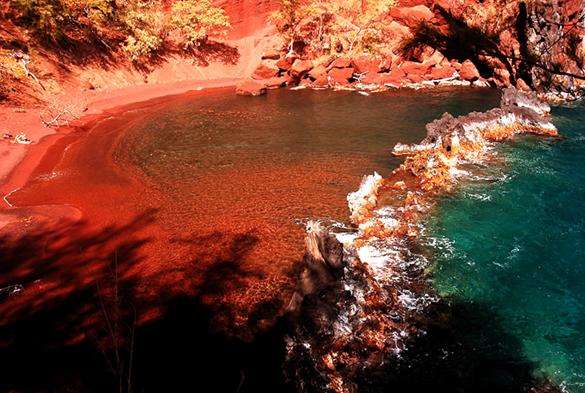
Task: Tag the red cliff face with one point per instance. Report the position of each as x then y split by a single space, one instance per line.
247 16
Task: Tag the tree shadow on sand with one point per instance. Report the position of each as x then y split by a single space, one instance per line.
74 317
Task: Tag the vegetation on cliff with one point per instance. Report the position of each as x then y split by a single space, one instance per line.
528 44
329 26
137 32
140 27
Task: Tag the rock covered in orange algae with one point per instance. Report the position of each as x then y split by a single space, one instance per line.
452 140
365 304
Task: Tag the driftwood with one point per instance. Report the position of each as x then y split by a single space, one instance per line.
24 61
58 119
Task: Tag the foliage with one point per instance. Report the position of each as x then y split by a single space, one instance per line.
286 17
198 19
140 27
45 16
145 24
9 65
322 24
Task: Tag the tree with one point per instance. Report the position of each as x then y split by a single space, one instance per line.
146 30
140 27
196 20
356 24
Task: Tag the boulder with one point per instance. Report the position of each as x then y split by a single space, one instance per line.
265 70
397 76
503 75
481 82
521 85
300 68
365 64
322 81
250 88
284 63
271 54
396 31
414 71
371 78
441 72
275 82
455 64
325 60
412 16
306 82
390 62
340 62
415 78
290 80
340 76
390 79
432 57
469 71
318 72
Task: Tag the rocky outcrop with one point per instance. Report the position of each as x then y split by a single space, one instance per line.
362 295
534 45
367 72
468 71
554 38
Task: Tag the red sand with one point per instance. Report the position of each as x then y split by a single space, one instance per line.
15 170
222 249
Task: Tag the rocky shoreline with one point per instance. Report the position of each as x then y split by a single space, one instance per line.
363 295
364 73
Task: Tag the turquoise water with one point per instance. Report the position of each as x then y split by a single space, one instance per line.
513 245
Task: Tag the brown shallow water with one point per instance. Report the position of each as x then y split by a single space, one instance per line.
198 198
227 181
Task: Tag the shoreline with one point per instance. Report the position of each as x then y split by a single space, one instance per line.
374 264
21 161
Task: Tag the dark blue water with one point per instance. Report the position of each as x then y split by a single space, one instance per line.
513 246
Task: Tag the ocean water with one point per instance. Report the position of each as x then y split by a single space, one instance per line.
510 249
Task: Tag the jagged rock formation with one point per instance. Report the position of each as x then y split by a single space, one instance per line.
362 296
536 45
555 36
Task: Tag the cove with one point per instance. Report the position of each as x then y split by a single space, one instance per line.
511 247
231 178
193 208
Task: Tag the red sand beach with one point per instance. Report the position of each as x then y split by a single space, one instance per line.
63 235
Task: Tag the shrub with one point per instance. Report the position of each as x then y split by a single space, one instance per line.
141 27
45 17
356 24
145 25
196 20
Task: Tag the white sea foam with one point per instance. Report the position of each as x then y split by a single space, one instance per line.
366 195
377 258
346 238
412 302
479 196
